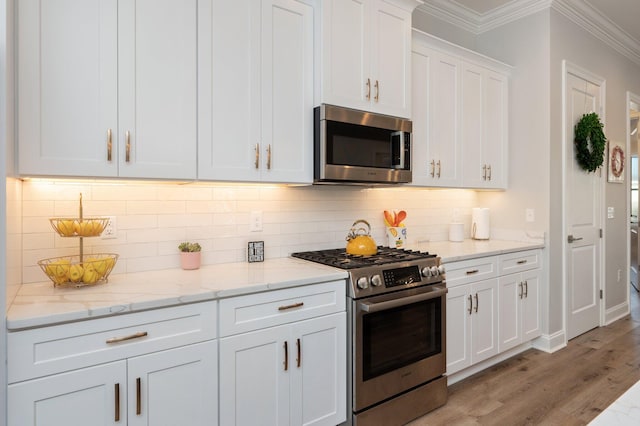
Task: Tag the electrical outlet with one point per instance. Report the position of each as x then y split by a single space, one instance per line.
619 274
111 230
255 221
530 215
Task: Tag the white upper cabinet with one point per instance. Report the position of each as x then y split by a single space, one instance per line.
460 116
107 88
67 86
255 84
436 118
366 55
484 127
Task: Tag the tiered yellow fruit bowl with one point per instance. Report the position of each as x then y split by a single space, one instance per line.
80 270
74 227
71 270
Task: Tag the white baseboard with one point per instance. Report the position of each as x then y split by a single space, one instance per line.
476 368
617 312
551 343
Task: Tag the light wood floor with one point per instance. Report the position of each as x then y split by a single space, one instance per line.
569 387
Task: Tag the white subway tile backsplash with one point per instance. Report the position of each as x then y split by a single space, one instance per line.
154 217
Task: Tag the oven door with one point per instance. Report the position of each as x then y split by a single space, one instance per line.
399 343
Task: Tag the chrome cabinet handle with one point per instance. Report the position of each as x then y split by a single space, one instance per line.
489 170
377 87
138 396
476 302
299 345
571 239
286 356
292 306
109 145
472 271
127 156
526 289
129 337
116 417
484 172
433 168
257 149
439 168
521 262
269 157
470 305
368 89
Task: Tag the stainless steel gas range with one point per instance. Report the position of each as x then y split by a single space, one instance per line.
396 332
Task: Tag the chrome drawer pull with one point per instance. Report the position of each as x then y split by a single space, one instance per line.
129 337
295 305
522 262
473 271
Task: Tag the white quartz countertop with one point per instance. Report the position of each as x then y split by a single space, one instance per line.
42 304
470 249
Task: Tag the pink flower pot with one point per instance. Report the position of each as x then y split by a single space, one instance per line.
190 260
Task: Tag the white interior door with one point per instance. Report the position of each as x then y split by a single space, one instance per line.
583 93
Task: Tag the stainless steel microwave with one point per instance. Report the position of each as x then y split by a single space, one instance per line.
352 146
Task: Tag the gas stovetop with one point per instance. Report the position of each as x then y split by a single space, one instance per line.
340 259
389 270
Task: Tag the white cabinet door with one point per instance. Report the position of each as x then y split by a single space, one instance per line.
256 91
436 111
90 396
484 325
459 311
157 63
531 306
254 378
484 127
67 84
510 307
318 381
366 54
390 59
345 53
287 92
174 387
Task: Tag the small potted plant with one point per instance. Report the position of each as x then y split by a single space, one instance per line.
189 255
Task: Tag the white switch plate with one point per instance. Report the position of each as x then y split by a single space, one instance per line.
610 212
530 215
255 221
111 230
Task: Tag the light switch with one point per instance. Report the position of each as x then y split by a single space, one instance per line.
610 213
530 215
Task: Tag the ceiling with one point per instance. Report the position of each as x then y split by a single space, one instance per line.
617 22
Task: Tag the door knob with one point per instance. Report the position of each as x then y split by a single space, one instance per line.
571 239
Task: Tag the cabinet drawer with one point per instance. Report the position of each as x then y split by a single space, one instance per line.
255 311
517 262
467 271
48 350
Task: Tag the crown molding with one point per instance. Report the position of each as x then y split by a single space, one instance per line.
579 12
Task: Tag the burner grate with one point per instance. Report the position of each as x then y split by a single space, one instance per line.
340 259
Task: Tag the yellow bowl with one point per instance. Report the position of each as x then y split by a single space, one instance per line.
70 271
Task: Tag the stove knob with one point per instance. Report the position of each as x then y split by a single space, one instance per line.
426 271
441 269
376 281
362 282
434 271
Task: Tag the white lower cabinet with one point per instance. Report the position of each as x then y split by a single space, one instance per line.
472 324
519 298
151 370
493 305
292 372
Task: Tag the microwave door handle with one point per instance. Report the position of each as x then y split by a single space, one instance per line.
399 137
401 301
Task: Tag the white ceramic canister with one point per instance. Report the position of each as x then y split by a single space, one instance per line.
456 232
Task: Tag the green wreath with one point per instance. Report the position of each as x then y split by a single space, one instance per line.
589 129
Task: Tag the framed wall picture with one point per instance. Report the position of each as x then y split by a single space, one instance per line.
616 162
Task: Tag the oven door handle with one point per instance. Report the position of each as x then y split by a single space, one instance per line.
401 301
